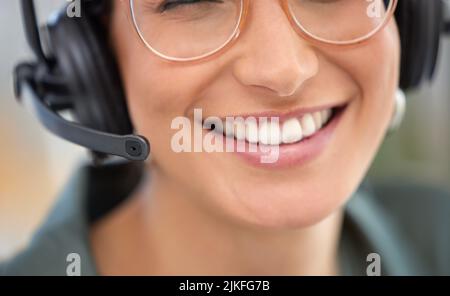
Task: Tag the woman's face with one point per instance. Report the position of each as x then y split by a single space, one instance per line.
270 70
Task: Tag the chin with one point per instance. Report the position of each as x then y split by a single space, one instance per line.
284 207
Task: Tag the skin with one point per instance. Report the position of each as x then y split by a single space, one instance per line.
212 213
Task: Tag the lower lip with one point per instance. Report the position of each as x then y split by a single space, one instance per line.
297 154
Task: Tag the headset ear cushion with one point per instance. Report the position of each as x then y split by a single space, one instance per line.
85 61
419 23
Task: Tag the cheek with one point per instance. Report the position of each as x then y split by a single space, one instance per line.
375 68
379 81
156 92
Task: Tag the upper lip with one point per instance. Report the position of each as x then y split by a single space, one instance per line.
283 116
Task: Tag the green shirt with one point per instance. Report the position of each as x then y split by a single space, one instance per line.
405 224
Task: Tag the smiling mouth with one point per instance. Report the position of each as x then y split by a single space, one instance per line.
272 130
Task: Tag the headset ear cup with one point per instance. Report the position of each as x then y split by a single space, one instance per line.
419 23
84 59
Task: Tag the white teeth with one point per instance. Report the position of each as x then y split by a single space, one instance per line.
252 132
275 133
239 130
291 131
308 125
229 128
317 116
268 132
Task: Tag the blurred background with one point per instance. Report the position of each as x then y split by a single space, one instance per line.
34 165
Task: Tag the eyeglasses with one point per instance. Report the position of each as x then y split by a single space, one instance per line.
189 30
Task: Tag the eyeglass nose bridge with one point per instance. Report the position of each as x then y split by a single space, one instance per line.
283 4
242 23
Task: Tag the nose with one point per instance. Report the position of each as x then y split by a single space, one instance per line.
272 56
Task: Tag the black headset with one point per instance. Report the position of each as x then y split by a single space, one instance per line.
78 72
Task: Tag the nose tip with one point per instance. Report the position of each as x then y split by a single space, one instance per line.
271 55
281 72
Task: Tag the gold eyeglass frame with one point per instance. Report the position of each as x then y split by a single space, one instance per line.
245 6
